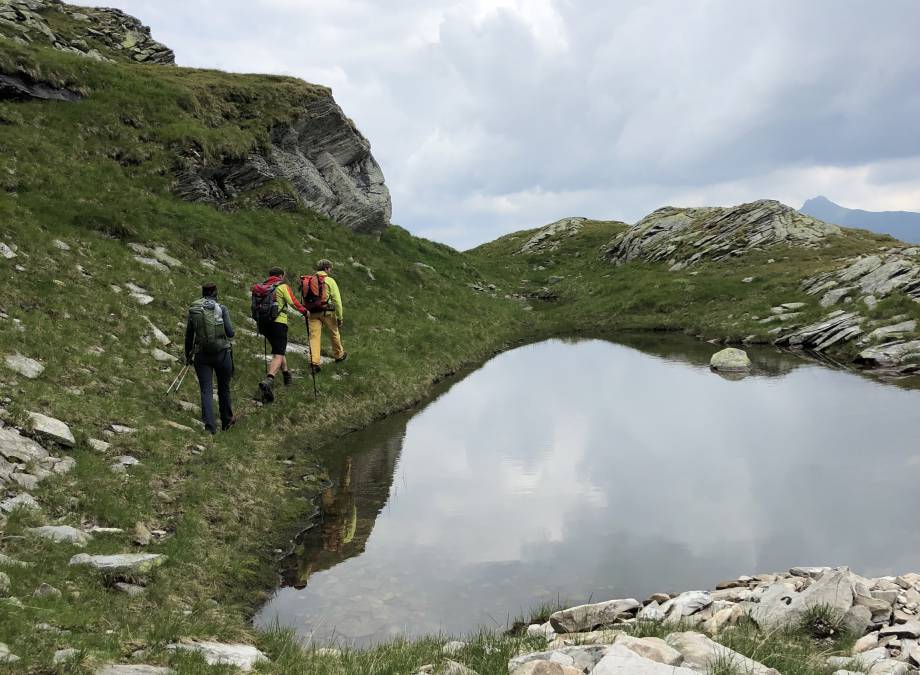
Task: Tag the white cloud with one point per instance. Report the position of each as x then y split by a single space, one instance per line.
495 114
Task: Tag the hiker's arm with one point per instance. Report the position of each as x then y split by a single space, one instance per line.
291 300
189 339
228 327
336 298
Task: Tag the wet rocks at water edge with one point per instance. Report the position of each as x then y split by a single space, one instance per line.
730 360
597 638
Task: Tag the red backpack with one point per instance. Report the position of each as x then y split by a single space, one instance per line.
314 293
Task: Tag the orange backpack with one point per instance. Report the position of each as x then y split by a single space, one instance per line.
314 293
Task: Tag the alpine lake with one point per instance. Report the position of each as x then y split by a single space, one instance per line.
570 471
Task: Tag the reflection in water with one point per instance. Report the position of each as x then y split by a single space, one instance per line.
580 469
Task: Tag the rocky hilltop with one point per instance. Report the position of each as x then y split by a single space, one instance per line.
311 156
102 34
687 236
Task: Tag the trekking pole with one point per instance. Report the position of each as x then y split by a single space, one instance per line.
177 381
265 352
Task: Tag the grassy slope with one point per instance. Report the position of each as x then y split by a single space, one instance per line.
97 175
709 300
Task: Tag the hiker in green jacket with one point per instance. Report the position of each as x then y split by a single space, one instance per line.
207 347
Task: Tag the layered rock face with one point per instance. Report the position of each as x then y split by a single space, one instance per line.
102 34
684 237
323 157
320 160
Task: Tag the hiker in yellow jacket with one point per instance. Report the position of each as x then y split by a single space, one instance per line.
332 315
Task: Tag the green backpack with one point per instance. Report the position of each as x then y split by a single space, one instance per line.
207 319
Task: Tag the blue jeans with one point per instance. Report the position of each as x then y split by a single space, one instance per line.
206 366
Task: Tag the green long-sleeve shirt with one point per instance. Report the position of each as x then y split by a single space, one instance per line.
335 297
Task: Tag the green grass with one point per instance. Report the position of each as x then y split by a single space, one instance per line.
98 175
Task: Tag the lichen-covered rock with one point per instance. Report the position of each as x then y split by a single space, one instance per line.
29 368
730 360
587 617
62 534
16 447
52 429
682 237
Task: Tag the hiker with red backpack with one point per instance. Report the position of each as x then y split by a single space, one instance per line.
322 298
270 301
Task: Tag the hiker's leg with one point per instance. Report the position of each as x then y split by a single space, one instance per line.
275 364
224 370
316 331
338 349
284 365
206 385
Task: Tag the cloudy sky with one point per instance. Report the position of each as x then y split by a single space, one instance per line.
495 115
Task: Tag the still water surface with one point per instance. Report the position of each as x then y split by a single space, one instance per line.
591 469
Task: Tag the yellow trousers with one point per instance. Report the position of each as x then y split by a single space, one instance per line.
317 321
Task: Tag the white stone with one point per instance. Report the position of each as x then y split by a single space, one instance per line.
701 652
14 446
6 252
215 653
29 368
453 648
121 429
52 428
163 357
911 629
157 334
6 656
20 501
62 656
62 534
686 603
123 563
652 648
60 245
98 445
621 661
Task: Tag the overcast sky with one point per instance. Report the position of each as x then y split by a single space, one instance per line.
489 116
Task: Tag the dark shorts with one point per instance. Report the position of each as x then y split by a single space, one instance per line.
276 333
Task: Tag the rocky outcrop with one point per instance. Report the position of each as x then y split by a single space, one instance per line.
323 160
22 88
682 237
869 278
98 33
547 239
882 611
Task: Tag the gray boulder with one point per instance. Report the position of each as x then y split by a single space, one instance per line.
242 656
781 605
123 564
29 368
890 355
701 652
16 447
587 617
52 429
61 534
621 661
730 360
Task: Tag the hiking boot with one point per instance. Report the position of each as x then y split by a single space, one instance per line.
265 386
314 368
288 378
342 357
229 423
